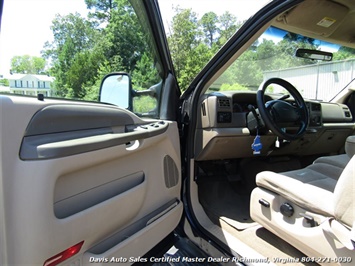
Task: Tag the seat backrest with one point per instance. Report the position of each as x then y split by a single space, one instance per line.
344 195
350 146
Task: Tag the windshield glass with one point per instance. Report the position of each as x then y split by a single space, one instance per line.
273 55
197 29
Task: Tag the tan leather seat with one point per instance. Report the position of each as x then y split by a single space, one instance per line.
322 203
308 188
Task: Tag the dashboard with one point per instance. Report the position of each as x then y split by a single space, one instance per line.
226 128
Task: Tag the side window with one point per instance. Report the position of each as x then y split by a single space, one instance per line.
81 48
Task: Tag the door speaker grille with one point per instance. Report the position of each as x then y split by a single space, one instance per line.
171 173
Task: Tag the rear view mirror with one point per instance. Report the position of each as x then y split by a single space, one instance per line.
314 54
116 89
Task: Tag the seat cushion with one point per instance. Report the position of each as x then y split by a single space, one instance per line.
336 160
311 188
340 160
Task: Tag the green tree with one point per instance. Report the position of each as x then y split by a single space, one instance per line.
193 42
233 87
287 49
183 38
26 64
85 50
228 25
4 82
145 75
112 39
266 53
196 60
122 34
101 9
125 35
210 28
82 73
92 88
72 33
73 36
247 71
344 53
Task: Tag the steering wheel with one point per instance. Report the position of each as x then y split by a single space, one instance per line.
279 114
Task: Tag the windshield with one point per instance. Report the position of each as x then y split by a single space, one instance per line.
273 55
196 31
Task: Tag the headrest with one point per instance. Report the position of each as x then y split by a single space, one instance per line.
350 146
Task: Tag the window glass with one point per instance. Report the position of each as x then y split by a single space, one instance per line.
197 29
82 41
273 55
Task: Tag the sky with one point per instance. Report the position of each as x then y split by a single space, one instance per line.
26 24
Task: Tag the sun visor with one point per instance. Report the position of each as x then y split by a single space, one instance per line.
316 17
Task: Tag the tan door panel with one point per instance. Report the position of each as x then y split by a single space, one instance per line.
75 172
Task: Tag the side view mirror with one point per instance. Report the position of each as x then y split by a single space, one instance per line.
116 88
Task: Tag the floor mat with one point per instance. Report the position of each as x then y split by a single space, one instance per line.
220 201
269 245
249 168
238 225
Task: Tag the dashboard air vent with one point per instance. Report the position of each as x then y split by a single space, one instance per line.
224 103
346 111
315 107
